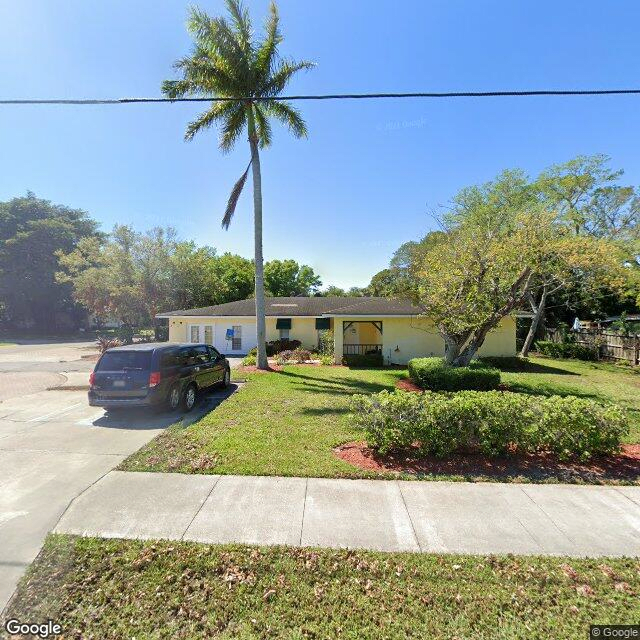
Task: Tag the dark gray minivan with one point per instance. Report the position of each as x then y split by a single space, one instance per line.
156 374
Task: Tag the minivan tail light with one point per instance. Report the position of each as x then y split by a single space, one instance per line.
92 379
154 379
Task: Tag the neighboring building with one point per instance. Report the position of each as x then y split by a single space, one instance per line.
360 325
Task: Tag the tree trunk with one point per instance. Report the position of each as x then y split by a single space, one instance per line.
257 238
538 312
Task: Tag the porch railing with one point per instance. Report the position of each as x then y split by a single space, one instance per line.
360 349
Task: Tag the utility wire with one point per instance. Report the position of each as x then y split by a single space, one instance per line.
340 96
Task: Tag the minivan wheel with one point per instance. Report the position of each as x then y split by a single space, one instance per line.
226 378
189 397
173 401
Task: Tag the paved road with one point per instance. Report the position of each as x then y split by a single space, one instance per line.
53 446
442 517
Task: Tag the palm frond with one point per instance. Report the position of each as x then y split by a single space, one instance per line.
179 88
263 126
234 197
287 115
267 50
234 121
242 22
282 75
203 121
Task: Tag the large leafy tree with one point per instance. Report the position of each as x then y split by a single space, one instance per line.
504 244
588 200
288 278
228 63
32 232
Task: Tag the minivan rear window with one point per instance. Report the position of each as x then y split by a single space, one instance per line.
121 360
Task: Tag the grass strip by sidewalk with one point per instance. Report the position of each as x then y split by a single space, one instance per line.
97 588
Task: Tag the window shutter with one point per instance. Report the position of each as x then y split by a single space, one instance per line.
323 323
283 323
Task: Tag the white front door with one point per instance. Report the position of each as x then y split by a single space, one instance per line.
201 333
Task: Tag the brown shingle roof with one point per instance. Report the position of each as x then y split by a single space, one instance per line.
303 306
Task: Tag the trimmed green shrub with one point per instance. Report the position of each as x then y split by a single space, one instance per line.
277 346
435 374
567 350
326 359
249 360
364 360
492 422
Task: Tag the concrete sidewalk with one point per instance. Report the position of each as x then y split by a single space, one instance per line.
373 514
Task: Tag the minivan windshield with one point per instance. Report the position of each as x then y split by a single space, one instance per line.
123 360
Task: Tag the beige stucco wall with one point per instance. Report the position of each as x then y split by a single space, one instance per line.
406 338
402 338
303 329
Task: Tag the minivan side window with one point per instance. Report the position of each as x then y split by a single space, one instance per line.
169 359
186 357
202 354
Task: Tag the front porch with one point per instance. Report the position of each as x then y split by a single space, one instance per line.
359 338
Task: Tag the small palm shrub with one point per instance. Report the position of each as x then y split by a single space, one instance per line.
326 359
249 360
492 422
436 375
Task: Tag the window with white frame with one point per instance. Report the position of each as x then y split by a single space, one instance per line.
284 334
195 333
236 341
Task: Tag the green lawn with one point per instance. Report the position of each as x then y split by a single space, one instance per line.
277 424
106 589
599 381
288 423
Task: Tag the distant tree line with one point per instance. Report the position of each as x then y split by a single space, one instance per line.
57 270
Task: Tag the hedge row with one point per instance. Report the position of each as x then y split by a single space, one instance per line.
434 374
492 422
567 350
363 360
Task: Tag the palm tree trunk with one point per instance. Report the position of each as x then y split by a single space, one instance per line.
257 238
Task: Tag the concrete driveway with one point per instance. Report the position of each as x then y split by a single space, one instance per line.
53 446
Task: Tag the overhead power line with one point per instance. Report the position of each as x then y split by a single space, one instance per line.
338 96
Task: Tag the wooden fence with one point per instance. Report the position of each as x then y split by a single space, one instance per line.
611 346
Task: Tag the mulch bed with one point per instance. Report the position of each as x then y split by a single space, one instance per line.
539 467
408 385
273 368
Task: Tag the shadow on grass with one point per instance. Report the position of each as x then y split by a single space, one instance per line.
520 365
342 385
542 389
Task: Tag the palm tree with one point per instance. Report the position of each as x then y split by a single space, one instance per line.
226 62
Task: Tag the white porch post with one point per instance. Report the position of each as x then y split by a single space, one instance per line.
338 339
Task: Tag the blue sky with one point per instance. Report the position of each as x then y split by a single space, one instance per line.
371 173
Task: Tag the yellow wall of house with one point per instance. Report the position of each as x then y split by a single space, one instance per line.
303 329
406 338
402 338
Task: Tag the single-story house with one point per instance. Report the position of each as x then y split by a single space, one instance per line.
360 325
